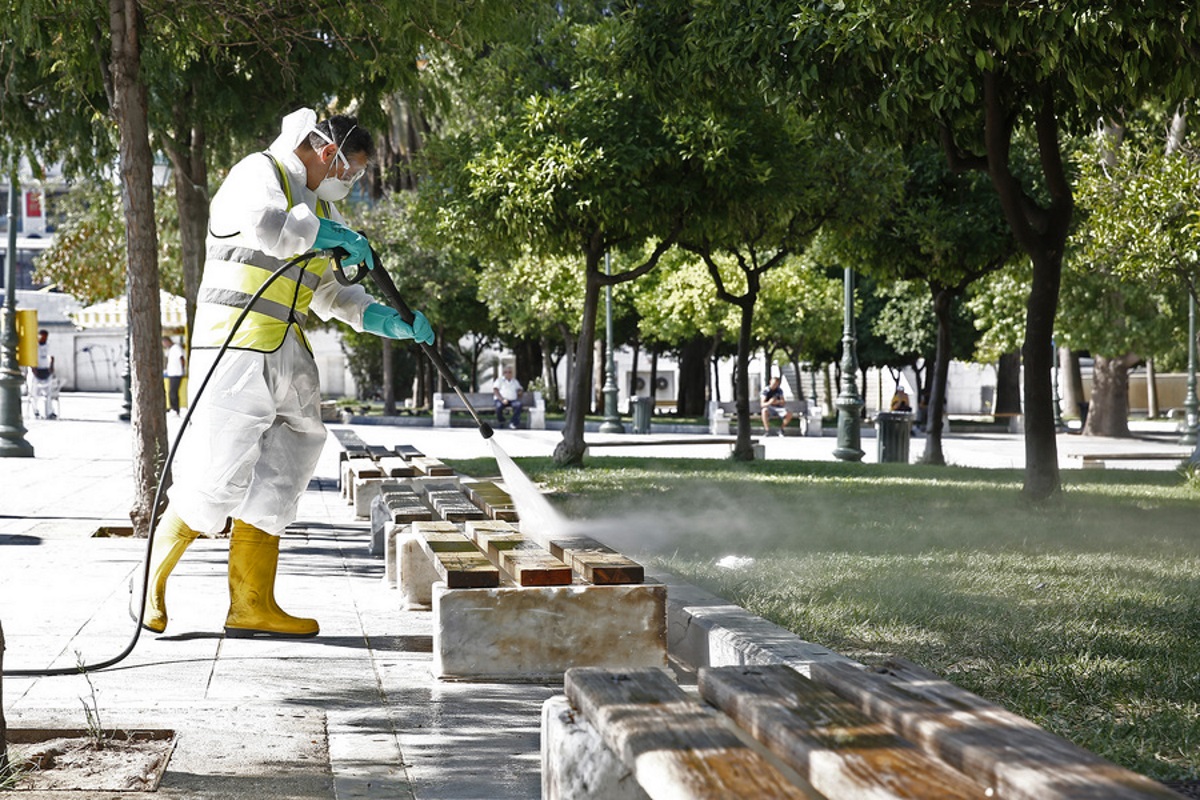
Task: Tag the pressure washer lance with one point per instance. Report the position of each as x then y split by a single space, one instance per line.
384 283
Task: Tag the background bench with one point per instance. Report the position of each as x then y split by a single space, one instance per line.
447 403
807 416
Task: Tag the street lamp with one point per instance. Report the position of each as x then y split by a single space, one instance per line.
612 420
1190 403
849 403
1058 420
12 427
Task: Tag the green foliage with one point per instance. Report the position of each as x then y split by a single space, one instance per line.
800 311
87 257
1141 211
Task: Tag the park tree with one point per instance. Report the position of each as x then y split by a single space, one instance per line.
569 162
973 76
799 318
541 297
678 310
773 184
1135 255
946 232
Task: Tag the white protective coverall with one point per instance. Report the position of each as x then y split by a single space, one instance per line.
256 434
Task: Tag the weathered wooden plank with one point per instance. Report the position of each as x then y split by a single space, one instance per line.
430 466
826 739
364 468
378 451
396 467
596 563
455 558
522 559
407 451
530 565
674 746
996 747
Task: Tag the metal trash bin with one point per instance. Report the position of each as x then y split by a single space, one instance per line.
642 408
893 430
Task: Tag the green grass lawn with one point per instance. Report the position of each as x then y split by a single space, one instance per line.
1081 613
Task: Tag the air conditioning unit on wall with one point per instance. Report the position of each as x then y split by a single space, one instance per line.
664 388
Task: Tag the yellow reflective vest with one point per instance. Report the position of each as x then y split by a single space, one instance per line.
233 273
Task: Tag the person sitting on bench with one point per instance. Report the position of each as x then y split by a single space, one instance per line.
773 405
506 393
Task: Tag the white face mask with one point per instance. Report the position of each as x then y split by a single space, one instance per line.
333 188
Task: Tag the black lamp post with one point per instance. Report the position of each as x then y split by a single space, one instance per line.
12 426
849 402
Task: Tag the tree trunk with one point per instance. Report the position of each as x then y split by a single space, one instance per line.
186 150
1108 413
3 724
599 367
1151 389
693 371
569 451
742 449
145 323
1070 364
654 379
941 371
830 382
1041 444
389 377
1008 385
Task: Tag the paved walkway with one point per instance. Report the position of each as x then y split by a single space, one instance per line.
353 713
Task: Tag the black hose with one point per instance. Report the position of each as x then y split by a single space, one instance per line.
166 467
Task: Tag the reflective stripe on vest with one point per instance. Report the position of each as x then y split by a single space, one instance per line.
232 275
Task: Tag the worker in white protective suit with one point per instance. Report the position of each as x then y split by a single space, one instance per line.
256 434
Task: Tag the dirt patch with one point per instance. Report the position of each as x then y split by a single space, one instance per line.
70 760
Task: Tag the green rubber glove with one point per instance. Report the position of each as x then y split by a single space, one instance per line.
384 320
332 234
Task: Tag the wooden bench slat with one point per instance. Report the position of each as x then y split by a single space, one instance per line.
673 745
430 466
826 739
526 562
364 468
596 563
396 467
993 745
408 452
455 558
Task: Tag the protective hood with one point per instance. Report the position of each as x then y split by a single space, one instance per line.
295 127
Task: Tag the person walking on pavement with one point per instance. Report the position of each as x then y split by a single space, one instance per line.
40 384
257 434
176 363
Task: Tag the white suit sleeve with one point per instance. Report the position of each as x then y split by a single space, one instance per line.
333 300
252 203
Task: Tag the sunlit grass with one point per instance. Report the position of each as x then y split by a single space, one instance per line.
1081 613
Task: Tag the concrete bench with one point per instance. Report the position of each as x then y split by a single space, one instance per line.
1097 460
808 416
759 450
540 618
446 403
845 734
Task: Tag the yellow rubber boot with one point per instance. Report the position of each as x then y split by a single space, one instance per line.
253 558
171 538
